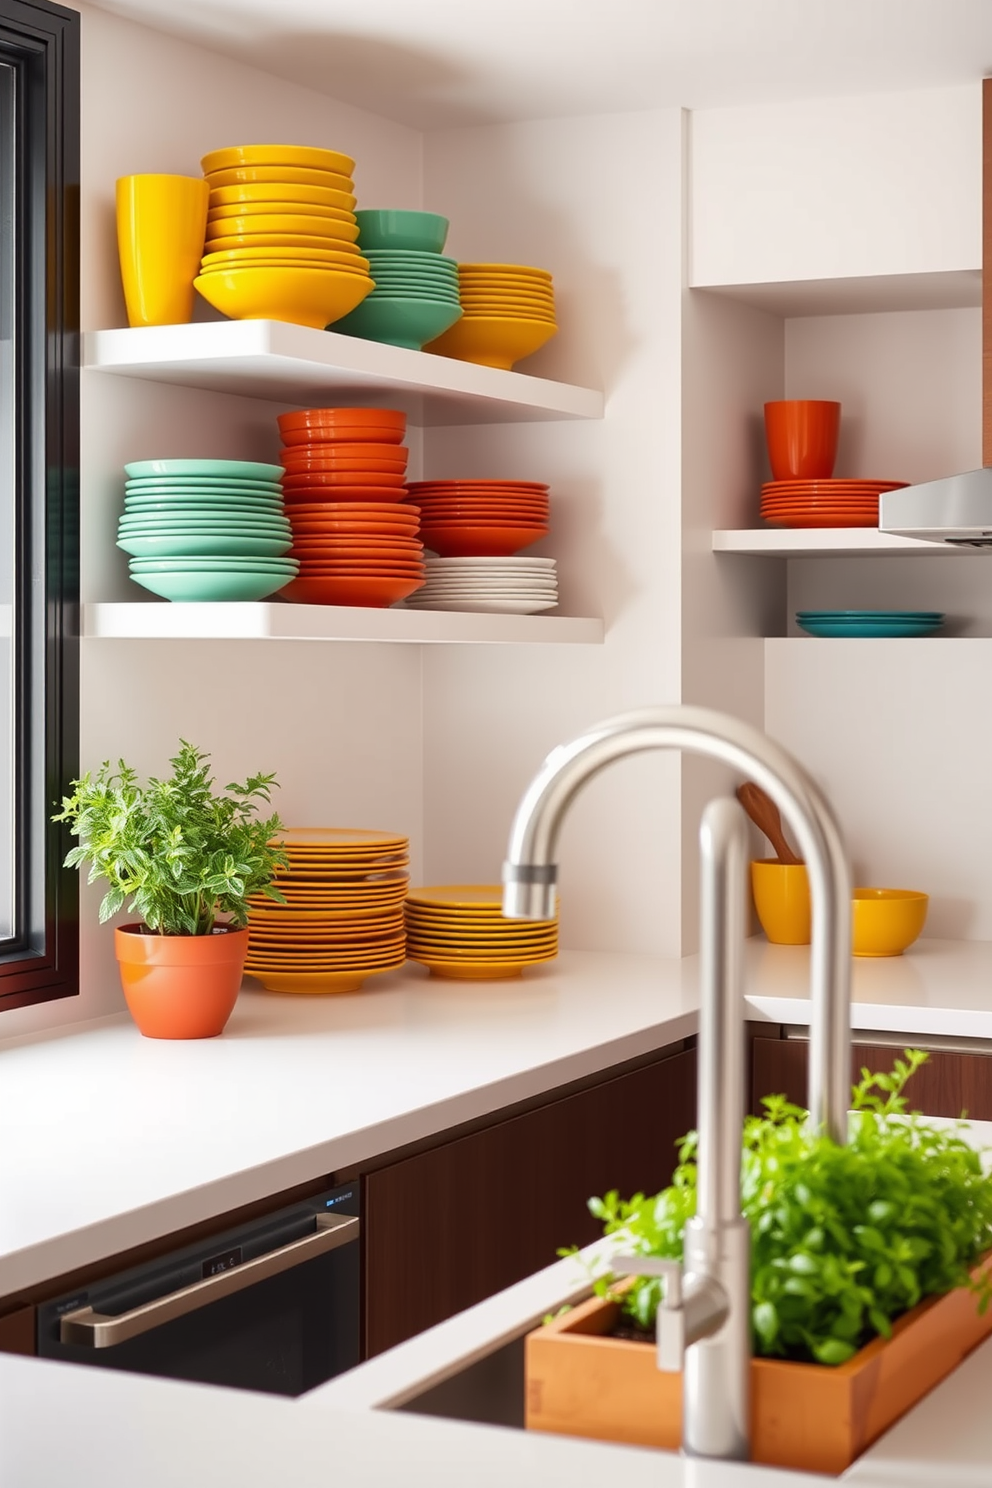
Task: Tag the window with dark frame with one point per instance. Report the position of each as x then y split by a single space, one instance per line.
39 503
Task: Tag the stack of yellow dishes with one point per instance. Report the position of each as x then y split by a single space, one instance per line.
281 235
458 930
509 313
343 916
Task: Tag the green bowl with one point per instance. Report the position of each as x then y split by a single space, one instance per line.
209 586
399 322
186 545
216 527
220 564
423 232
188 505
170 486
234 469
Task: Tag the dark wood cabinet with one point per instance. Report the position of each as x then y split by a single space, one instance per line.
947 1085
450 1226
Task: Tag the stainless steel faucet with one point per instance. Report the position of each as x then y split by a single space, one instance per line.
704 1320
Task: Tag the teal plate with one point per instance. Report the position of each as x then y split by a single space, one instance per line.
234 469
220 564
208 546
869 627
844 615
190 504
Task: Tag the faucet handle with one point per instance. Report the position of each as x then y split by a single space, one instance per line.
671 1313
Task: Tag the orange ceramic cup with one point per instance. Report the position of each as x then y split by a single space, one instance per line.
802 438
161 225
781 898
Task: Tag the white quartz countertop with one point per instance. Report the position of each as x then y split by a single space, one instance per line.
121 1139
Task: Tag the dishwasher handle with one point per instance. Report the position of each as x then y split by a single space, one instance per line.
96 1330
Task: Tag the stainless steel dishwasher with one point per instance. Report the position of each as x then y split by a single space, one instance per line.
271 1305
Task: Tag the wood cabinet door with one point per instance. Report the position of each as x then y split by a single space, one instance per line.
448 1227
947 1085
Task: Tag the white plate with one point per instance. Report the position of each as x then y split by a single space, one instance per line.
449 564
486 606
506 591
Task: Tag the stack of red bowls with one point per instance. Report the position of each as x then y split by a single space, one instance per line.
344 482
478 518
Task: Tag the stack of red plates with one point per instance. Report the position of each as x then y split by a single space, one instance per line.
345 474
480 519
823 503
343 454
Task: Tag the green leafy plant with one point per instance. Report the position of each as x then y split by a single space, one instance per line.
181 853
843 1238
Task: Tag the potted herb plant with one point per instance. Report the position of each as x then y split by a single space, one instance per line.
185 858
870 1280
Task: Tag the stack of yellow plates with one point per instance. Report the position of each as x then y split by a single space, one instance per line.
458 930
509 313
343 916
281 235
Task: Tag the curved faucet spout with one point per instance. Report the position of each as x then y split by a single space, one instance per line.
530 872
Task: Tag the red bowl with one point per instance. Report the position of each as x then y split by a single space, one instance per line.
358 548
341 434
445 486
368 418
367 591
471 541
332 496
337 511
362 567
481 511
370 453
357 532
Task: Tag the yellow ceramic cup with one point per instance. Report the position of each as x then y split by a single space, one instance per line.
781 898
161 225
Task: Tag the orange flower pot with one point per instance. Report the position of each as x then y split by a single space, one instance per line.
181 986
805 1416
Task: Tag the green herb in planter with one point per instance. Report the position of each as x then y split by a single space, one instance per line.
182 854
843 1239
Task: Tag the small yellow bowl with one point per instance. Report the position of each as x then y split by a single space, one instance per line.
492 341
886 921
281 191
309 297
781 898
265 175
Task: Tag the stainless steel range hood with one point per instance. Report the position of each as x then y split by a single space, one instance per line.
956 509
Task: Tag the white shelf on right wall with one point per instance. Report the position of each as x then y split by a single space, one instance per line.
828 542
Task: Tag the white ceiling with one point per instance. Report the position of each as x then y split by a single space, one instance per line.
436 63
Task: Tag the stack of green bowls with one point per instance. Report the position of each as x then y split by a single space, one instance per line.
415 297
206 529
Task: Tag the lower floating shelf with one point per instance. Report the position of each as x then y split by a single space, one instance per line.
297 622
829 542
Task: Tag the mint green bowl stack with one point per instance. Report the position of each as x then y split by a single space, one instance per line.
207 530
415 298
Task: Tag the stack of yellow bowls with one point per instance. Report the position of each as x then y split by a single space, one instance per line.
458 930
509 313
342 919
281 235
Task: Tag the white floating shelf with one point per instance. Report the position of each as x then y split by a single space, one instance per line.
827 542
950 289
295 365
297 622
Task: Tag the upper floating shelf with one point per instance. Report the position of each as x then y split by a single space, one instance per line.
827 542
293 364
952 289
149 621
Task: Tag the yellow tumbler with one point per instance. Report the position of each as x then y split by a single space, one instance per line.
161 225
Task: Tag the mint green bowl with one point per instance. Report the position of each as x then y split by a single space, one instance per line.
202 488
422 232
191 504
221 565
399 322
210 586
209 545
233 469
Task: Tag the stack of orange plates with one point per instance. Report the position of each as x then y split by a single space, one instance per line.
343 916
281 234
823 503
458 930
480 519
509 313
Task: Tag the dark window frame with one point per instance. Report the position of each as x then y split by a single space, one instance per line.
41 41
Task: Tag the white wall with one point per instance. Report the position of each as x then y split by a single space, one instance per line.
598 202
828 188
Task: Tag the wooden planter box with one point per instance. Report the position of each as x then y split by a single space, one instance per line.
806 1416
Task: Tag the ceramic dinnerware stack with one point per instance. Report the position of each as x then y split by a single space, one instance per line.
495 586
345 473
416 289
458 931
863 623
206 529
281 235
342 921
480 519
509 313
823 503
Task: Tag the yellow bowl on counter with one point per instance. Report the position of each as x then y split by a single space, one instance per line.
886 921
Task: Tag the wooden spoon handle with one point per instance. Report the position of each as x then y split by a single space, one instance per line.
765 814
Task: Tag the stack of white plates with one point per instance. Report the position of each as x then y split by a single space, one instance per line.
508 586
